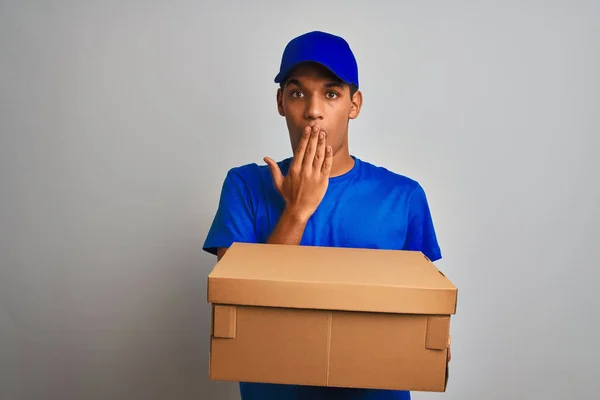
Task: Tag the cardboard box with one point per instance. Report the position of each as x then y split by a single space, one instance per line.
325 316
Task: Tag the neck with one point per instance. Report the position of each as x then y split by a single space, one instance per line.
342 163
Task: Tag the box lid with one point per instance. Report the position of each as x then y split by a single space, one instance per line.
328 278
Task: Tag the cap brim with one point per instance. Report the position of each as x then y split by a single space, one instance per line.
282 75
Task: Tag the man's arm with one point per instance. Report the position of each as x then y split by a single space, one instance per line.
221 252
420 232
289 230
302 189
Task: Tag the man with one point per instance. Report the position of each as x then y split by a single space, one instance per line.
323 195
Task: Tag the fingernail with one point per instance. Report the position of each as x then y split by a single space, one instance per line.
315 128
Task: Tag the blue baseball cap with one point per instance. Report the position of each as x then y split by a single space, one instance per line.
331 51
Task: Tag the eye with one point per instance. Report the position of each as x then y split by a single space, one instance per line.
332 95
296 94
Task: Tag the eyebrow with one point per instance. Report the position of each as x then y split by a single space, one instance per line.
334 84
294 82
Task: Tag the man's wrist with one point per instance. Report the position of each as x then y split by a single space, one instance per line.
295 217
290 228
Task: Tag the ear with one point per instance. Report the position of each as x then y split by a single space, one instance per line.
356 104
280 102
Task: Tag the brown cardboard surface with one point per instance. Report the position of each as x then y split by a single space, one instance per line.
274 345
330 279
224 322
438 330
321 316
371 350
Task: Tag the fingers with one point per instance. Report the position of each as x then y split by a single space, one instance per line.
327 162
275 173
311 149
312 153
320 153
301 149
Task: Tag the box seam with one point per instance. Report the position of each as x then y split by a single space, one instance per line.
328 350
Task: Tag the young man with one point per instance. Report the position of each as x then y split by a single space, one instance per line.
323 195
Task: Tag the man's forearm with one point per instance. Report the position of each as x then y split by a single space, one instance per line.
289 229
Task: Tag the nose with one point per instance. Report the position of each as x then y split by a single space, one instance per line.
314 108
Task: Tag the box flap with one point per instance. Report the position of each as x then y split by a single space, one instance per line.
438 331
224 322
330 278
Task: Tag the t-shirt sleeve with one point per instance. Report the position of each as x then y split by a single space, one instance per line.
234 219
420 235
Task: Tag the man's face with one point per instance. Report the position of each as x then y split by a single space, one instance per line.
313 96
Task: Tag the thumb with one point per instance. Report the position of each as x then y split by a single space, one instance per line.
275 173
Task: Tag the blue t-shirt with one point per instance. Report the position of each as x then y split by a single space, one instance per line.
367 207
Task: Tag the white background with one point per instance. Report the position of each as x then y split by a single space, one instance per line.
119 121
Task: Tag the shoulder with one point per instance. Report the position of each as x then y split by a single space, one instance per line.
249 174
388 178
245 172
253 176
